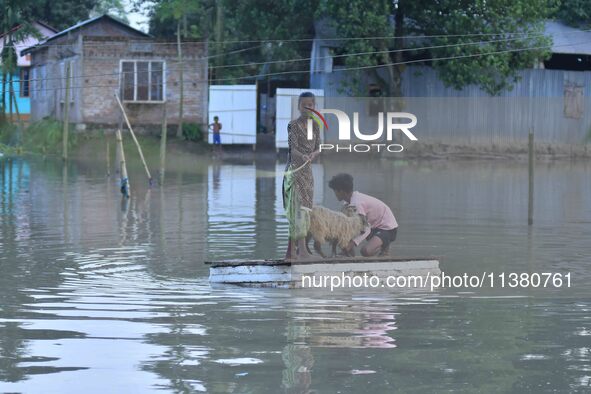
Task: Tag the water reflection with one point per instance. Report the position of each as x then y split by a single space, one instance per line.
96 290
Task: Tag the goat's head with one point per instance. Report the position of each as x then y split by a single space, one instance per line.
349 210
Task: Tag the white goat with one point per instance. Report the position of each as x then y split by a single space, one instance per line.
338 228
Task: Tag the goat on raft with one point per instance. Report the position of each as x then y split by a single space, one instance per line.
338 228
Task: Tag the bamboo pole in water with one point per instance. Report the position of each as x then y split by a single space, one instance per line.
108 158
163 143
66 114
530 200
125 189
179 133
137 144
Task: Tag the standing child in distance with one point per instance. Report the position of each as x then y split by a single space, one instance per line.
216 127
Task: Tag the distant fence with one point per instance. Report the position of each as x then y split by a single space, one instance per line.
555 103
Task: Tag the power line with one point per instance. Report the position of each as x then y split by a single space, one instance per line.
139 72
384 37
401 63
372 52
334 70
278 40
297 59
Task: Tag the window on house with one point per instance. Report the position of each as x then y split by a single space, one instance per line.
142 81
25 80
157 81
127 81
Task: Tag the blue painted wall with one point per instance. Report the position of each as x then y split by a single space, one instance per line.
24 103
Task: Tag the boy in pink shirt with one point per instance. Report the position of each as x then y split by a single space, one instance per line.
382 223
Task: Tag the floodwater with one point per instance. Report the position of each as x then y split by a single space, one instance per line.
99 295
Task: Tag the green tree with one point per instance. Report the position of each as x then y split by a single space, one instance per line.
285 20
223 22
112 7
178 11
16 28
492 62
59 14
164 15
575 13
476 43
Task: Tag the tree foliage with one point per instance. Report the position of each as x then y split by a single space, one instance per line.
62 14
15 28
475 43
59 14
480 42
513 39
112 7
575 13
230 24
491 42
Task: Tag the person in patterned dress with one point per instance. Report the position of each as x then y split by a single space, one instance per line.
298 182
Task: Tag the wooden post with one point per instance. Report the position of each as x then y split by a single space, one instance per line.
18 115
137 144
9 100
108 158
4 78
219 29
179 133
66 199
530 200
124 187
66 114
163 143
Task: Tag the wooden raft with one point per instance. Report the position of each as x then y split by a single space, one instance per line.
288 273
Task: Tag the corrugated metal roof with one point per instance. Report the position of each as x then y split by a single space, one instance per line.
568 40
84 23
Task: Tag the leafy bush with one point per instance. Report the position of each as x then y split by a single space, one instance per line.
7 132
192 132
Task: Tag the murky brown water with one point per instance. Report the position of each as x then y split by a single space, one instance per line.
101 296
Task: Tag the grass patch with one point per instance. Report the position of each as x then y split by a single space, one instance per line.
6 150
44 137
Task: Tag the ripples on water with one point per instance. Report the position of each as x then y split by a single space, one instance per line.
104 296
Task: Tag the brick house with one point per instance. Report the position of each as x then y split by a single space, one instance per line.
106 57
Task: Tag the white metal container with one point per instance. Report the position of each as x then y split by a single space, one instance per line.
236 107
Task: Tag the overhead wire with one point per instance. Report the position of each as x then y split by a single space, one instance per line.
292 60
335 69
279 40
